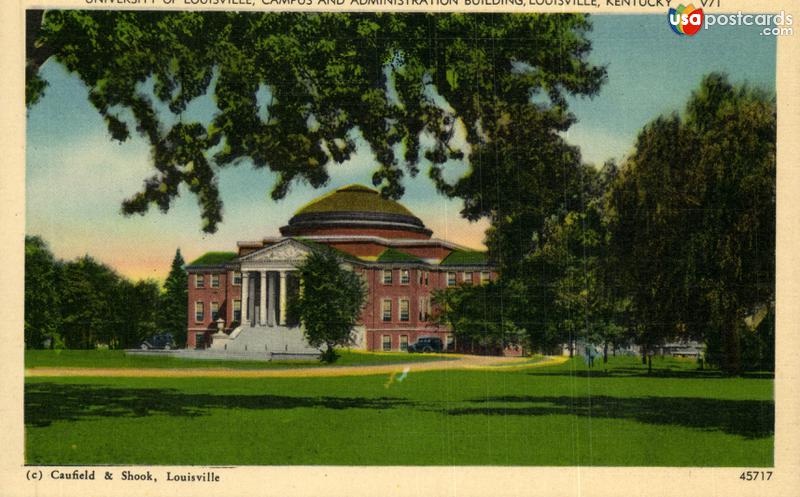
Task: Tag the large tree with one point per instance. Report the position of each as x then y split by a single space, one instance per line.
588 303
694 218
42 300
142 303
329 303
292 91
482 315
92 312
173 302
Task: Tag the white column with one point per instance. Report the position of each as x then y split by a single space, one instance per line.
253 317
271 300
245 296
263 300
282 301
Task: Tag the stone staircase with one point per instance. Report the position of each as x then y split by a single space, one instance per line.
273 341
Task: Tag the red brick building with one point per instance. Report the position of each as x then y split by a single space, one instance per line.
380 239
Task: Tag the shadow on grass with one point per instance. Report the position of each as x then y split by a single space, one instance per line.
747 418
46 403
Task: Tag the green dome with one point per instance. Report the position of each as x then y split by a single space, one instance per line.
354 198
358 210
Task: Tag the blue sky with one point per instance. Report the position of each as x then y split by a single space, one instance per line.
76 177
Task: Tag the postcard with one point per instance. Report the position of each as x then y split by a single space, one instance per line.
401 247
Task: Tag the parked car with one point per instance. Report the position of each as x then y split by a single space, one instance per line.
427 344
161 341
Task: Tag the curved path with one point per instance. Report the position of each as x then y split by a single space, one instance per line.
462 362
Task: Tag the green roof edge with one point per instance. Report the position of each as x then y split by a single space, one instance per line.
465 258
394 255
214 258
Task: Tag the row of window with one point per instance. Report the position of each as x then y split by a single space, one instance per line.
386 342
200 279
200 311
404 309
424 276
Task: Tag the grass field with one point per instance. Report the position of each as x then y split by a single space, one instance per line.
118 359
557 415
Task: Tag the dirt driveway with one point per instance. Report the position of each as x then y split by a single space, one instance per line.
462 362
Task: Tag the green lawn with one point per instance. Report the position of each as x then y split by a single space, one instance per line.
559 415
118 359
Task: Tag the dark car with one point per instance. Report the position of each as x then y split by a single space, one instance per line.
162 341
427 344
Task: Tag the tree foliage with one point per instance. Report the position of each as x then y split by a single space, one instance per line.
694 218
42 299
143 303
89 291
174 301
83 304
586 295
291 90
330 302
482 315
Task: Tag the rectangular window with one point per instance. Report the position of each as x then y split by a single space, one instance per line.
427 274
404 277
199 340
467 277
237 310
404 310
199 312
387 310
236 278
451 279
484 277
419 277
423 309
404 342
387 276
214 311
199 281
387 343
214 281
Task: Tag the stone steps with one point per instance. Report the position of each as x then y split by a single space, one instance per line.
267 340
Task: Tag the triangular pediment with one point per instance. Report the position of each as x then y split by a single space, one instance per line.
287 251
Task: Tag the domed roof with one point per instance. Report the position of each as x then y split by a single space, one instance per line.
354 198
355 207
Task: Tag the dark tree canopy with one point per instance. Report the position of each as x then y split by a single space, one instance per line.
694 218
174 300
329 303
42 296
291 88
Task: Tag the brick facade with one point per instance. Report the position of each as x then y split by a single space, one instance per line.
223 295
400 263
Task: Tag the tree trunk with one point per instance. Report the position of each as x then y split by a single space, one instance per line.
605 353
649 363
731 360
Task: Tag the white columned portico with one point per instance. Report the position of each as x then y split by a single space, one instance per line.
263 300
269 268
282 301
245 298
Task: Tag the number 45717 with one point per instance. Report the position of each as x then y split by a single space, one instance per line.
755 475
